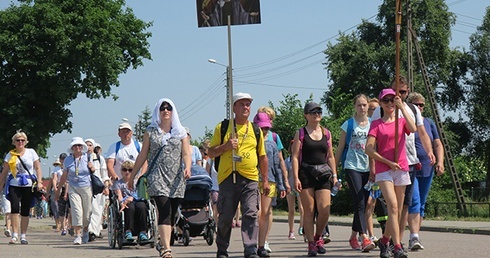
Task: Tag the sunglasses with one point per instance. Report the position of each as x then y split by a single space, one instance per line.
315 112
127 170
20 140
386 101
169 108
419 104
403 91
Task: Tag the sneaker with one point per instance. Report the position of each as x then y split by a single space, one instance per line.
23 241
7 233
320 246
85 237
71 231
367 245
312 250
326 238
143 237
91 236
13 241
374 239
305 239
400 254
383 250
300 231
354 244
78 240
414 244
262 252
63 232
291 236
129 236
267 248
221 254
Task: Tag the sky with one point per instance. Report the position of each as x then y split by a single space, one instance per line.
282 55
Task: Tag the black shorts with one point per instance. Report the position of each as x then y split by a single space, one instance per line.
308 181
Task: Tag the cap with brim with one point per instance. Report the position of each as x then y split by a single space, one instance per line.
57 162
310 106
75 141
240 95
262 120
386 92
125 126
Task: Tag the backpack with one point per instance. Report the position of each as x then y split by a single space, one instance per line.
224 128
348 134
136 144
302 131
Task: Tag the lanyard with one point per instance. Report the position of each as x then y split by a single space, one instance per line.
77 165
244 136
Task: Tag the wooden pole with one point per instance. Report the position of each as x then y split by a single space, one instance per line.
398 24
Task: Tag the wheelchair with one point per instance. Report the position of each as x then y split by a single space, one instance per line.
116 225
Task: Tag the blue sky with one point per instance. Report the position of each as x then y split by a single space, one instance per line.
280 56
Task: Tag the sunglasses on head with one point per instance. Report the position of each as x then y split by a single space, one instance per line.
169 108
387 100
127 169
20 140
419 104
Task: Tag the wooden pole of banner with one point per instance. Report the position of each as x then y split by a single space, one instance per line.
398 24
230 98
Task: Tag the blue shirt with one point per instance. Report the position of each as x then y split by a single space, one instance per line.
78 172
431 130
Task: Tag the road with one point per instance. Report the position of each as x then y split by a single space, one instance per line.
44 243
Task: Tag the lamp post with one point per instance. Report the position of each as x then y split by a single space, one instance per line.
228 83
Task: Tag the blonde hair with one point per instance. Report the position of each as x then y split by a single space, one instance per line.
358 96
19 134
268 110
127 164
375 100
415 96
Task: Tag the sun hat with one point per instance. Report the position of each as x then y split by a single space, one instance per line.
240 95
310 106
125 126
91 141
75 141
386 92
262 120
57 162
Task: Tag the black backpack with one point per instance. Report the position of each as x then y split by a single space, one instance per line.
224 127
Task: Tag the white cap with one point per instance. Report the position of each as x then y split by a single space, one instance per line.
240 95
125 126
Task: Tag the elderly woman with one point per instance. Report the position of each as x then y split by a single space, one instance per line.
312 147
166 146
23 169
77 169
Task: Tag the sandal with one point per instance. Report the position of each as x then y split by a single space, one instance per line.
166 253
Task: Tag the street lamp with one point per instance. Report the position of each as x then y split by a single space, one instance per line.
228 83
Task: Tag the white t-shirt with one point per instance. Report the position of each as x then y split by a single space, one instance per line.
125 152
410 139
57 171
28 158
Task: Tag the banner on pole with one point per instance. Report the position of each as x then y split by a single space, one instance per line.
212 13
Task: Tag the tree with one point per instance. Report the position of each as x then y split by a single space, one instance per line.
144 120
52 51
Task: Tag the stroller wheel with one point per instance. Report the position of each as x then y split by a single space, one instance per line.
186 237
209 236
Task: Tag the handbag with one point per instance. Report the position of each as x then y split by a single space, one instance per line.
97 184
321 172
141 185
38 194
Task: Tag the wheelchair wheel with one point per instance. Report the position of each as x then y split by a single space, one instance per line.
111 231
120 240
209 236
186 238
172 238
153 227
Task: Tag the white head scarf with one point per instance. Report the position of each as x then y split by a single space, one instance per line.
177 131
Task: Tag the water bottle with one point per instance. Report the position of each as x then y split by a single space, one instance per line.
375 187
336 187
368 186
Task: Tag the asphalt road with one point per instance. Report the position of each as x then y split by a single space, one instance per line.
43 242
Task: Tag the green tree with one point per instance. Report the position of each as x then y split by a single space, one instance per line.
144 120
53 51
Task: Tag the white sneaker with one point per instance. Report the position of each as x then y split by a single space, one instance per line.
414 244
267 248
7 233
78 240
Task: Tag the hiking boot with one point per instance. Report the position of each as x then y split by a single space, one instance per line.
312 250
354 244
320 246
383 250
414 244
367 245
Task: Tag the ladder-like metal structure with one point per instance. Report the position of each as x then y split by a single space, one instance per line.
412 38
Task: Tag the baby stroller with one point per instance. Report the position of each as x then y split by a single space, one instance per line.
195 215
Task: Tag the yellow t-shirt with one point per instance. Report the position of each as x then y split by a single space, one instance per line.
247 150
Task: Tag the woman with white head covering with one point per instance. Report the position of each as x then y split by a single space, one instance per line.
77 169
166 146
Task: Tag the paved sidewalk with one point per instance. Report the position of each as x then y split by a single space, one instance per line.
466 227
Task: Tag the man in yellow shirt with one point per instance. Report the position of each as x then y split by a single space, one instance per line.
240 185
